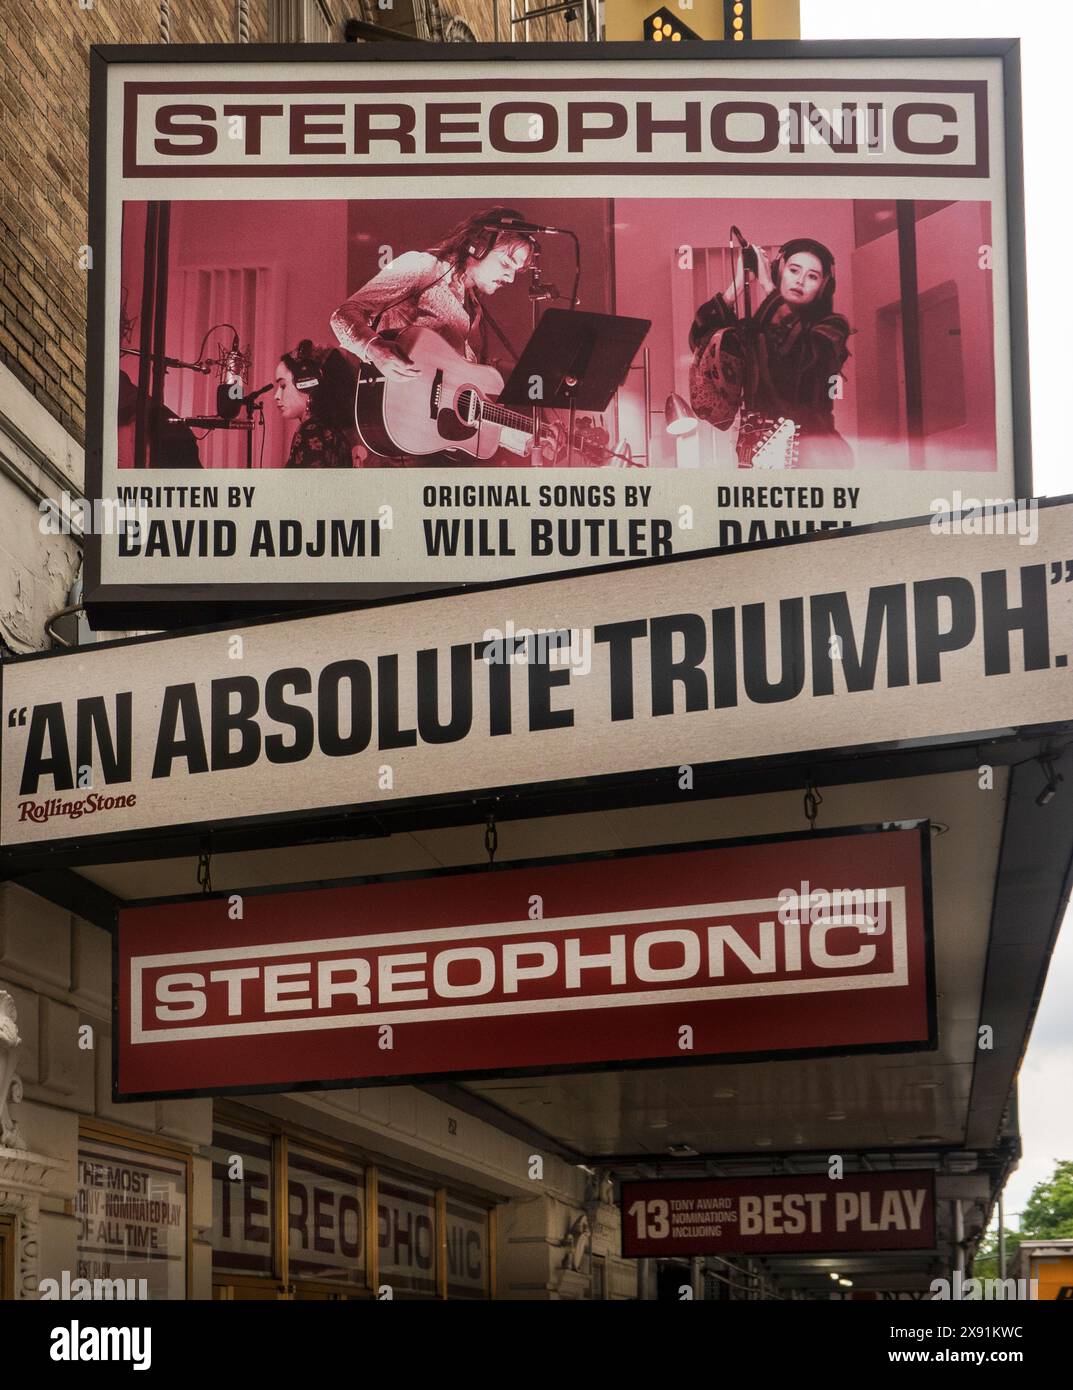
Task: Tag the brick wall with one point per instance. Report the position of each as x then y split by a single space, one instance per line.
481 19
485 19
44 113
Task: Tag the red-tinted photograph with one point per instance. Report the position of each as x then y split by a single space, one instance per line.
826 334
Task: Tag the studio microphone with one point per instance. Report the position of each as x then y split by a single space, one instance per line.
748 252
251 396
515 224
228 398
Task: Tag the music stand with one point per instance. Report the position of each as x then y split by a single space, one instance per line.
581 359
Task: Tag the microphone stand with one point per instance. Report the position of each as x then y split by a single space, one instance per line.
540 290
252 401
746 319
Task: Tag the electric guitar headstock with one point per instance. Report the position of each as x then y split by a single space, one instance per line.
764 443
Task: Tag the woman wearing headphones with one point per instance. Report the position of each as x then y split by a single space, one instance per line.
315 387
793 346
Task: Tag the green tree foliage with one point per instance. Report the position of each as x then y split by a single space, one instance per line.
1048 1213
985 1265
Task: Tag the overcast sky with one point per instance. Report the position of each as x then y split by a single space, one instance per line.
1046 34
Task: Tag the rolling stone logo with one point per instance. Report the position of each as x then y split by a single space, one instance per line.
553 965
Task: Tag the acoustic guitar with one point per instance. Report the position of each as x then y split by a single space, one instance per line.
450 408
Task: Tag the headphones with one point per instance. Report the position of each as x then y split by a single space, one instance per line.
307 374
779 263
492 228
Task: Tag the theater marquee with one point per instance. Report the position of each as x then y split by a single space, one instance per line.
797 944
899 635
640 208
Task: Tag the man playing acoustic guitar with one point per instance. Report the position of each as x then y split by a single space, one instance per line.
439 289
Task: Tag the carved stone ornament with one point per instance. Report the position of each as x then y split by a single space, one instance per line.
24 1176
576 1243
10 1084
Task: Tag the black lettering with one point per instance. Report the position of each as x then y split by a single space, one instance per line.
93 727
225 721
359 679
620 638
887 606
295 717
999 620
180 700
542 681
758 687
666 671
47 719
428 702
930 641
387 706
724 659
441 536
499 711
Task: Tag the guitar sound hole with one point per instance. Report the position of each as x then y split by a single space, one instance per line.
466 406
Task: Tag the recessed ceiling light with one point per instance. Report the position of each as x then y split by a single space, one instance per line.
927 1085
929 1139
834 1275
659 1124
762 1143
837 1115
726 1094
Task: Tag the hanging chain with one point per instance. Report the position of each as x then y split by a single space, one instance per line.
813 802
204 871
491 839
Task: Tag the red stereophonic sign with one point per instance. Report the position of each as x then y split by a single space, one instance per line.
802 943
765 1216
